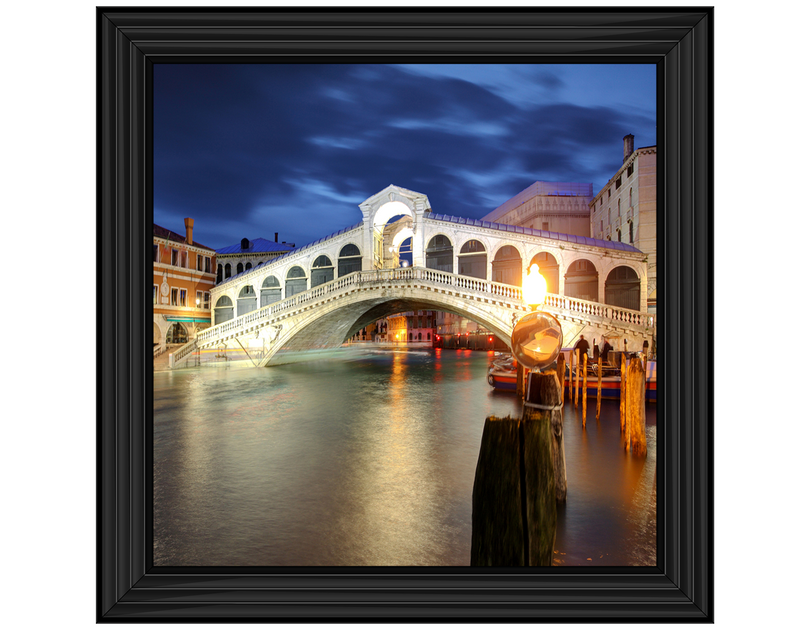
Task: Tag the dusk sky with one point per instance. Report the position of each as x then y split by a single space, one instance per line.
250 150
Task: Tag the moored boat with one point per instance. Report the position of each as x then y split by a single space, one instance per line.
502 373
610 381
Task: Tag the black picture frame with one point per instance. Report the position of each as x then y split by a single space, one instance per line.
679 41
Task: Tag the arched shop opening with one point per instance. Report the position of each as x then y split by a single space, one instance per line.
622 288
177 333
439 254
548 268
246 300
507 266
224 309
473 260
322 271
349 260
271 291
580 281
296 281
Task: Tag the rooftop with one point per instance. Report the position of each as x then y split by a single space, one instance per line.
541 189
170 235
257 246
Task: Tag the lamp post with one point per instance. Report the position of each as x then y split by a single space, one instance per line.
537 337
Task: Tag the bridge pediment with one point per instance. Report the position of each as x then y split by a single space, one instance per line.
415 202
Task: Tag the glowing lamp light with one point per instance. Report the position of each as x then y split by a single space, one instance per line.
537 339
534 287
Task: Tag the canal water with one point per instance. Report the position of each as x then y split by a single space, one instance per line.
369 462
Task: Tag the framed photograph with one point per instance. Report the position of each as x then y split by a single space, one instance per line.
143 573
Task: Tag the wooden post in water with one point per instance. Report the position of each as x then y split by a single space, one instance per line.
571 375
577 375
583 391
623 380
636 408
545 391
514 511
561 367
520 379
599 385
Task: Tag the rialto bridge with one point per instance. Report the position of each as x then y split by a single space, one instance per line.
319 295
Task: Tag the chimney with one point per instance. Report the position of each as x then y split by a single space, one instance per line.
188 226
628 146
276 237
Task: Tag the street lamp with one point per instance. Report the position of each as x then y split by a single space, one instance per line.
537 337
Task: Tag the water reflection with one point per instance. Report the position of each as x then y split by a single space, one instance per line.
364 462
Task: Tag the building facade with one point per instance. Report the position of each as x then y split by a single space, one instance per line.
548 206
247 254
625 210
183 279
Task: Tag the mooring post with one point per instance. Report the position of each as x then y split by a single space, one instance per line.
599 386
583 391
514 511
571 374
577 376
623 380
636 408
561 367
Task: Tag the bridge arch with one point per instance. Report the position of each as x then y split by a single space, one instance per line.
506 265
224 309
295 281
270 291
349 259
439 252
581 280
473 258
549 269
322 271
623 287
246 300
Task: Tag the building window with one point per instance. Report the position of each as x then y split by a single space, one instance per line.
206 300
630 169
619 181
207 264
198 262
174 257
156 253
183 259
619 214
631 198
631 231
619 236
609 193
182 297
545 226
174 297
198 297
156 293
227 271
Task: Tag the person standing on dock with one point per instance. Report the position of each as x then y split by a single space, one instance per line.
583 346
604 352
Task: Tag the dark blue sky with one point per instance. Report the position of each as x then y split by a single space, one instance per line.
250 150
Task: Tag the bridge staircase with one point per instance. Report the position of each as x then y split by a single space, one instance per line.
494 305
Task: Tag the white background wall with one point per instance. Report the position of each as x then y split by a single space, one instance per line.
48 462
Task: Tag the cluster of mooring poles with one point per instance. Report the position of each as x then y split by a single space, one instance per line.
521 471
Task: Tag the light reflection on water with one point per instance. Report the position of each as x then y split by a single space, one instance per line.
366 462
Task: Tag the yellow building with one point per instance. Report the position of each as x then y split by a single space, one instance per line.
184 274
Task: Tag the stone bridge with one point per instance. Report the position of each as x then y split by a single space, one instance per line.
324 317
317 296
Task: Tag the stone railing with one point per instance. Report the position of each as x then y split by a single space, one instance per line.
182 353
604 311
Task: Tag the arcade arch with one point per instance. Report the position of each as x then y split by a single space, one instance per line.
473 259
349 260
438 254
224 309
295 281
580 281
507 266
322 271
246 300
623 287
270 291
548 268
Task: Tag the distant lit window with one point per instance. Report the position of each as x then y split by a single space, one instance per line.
206 300
198 297
182 297
174 297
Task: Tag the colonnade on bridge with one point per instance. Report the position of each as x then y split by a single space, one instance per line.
578 267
